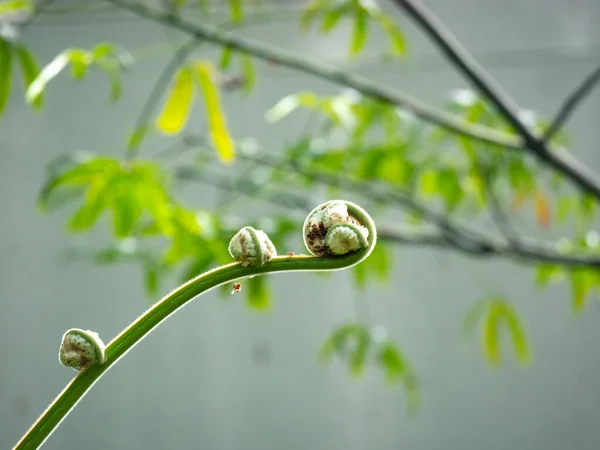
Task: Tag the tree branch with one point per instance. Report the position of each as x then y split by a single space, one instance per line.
422 110
447 233
558 159
571 102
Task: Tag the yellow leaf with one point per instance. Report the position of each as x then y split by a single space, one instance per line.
217 123
176 110
542 210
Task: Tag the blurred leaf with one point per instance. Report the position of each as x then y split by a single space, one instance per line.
114 77
546 274
542 209
176 109
429 183
358 358
249 72
37 86
226 57
332 17
8 7
128 191
236 11
450 188
95 203
517 333
521 179
359 32
564 209
494 313
258 295
311 11
151 280
104 50
5 73
473 316
80 62
588 206
216 119
395 35
340 339
290 103
30 71
378 264
392 362
582 282
491 343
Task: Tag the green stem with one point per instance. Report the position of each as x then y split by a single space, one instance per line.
137 330
365 86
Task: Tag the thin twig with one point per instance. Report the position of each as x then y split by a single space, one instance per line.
572 101
467 64
307 65
557 158
482 246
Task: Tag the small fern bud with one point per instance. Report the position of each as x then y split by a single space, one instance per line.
252 247
80 349
330 229
344 238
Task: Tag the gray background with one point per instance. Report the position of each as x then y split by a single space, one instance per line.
196 381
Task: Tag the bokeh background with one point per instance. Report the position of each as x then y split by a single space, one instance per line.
218 376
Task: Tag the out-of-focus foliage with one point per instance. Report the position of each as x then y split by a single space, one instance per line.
355 144
493 316
361 13
106 56
356 346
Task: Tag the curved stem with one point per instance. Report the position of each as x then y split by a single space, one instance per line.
137 330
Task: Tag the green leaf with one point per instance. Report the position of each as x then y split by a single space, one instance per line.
359 32
126 208
428 183
473 316
226 58
564 209
491 342
176 109
96 202
310 13
332 17
50 71
392 362
151 280
258 295
216 118
517 332
80 62
114 77
249 72
450 188
546 274
395 35
30 71
8 7
84 173
582 281
103 50
358 357
5 73
236 11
